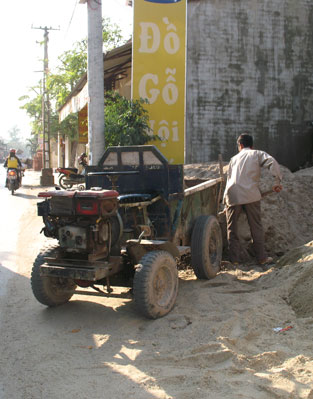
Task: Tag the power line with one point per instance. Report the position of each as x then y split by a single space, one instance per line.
70 22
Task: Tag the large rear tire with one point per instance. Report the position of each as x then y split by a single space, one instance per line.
50 291
63 183
156 284
206 247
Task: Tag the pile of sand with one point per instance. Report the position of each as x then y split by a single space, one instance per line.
203 171
287 216
298 264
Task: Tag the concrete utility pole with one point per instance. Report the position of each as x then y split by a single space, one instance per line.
46 176
95 81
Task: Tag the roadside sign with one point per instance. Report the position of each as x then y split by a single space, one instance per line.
159 70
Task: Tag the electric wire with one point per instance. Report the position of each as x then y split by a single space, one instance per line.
70 22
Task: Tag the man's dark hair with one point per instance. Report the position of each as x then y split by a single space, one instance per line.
246 140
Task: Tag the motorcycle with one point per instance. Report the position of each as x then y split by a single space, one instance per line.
13 182
68 177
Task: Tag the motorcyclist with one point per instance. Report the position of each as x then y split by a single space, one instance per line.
13 162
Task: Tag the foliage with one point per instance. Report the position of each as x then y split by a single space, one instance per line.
33 107
111 34
71 68
73 63
14 134
125 121
16 140
69 126
32 145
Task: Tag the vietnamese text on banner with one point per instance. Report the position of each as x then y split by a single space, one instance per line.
159 70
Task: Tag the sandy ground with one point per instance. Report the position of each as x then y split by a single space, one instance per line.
218 342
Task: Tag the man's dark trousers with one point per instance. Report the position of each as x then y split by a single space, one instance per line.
253 212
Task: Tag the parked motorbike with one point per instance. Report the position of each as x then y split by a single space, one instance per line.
68 177
13 182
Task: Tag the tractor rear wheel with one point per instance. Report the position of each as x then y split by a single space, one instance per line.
156 284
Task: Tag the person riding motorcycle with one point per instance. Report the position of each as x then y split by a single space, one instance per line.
13 162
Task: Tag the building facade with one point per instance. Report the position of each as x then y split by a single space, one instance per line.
250 68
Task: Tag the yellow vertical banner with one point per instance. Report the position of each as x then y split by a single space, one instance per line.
83 125
159 70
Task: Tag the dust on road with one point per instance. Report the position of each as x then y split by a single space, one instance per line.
218 342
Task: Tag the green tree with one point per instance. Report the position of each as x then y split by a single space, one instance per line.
126 122
32 145
33 107
16 140
14 134
72 65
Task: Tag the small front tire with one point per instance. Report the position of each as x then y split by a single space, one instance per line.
156 284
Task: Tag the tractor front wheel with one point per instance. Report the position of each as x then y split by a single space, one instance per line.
50 291
156 284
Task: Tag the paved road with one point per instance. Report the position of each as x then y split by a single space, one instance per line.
12 208
50 353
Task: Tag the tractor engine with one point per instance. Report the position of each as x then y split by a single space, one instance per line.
85 223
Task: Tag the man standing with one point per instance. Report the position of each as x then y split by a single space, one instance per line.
242 193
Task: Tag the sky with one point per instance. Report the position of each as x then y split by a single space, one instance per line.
21 54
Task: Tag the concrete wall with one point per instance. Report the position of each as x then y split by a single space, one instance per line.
123 85
250 68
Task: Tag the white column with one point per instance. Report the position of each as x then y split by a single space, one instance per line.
95 82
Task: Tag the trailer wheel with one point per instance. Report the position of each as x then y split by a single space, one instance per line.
156 284
206 247
50 291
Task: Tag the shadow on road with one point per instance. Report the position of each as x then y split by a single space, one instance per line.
95 344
